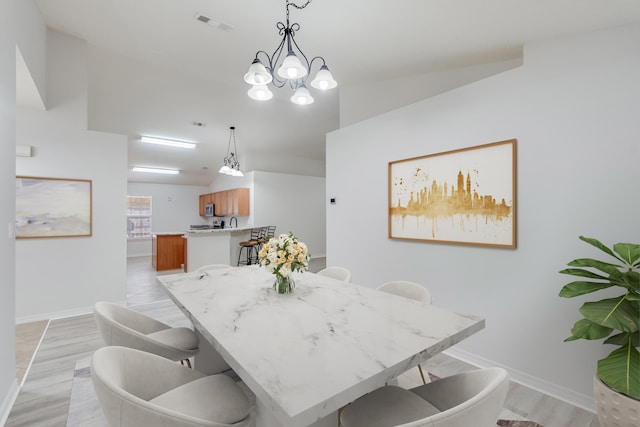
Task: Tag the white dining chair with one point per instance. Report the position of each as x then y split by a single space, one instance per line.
339 273
410 290
136 388
473 398
122 326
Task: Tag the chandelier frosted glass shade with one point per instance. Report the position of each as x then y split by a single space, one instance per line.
257 74
302 96
292 68
324 80
260 93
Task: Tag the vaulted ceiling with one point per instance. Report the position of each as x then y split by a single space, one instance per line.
156 70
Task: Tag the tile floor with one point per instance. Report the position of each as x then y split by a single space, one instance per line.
57 392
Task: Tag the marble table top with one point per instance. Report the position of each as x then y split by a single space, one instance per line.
308 353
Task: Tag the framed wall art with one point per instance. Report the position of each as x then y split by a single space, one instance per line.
52 207
465 196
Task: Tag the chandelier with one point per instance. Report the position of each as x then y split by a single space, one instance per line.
231 164
290 70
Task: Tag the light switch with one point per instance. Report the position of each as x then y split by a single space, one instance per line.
333 200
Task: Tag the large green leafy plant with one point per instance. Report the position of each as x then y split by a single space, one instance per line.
619 316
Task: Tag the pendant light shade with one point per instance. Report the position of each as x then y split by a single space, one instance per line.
260 93
257 74
324 80
292 68
302 96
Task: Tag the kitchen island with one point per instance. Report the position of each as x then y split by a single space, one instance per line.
214 246
167 251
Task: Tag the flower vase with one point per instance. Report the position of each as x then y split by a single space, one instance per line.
283 284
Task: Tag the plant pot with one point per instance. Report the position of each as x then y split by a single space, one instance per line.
615 409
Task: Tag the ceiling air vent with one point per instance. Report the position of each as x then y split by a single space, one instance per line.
212 22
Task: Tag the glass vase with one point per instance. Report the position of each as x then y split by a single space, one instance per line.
284 284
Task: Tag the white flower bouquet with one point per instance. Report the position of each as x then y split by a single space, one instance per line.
281 256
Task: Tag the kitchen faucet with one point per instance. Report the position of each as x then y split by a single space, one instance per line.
231 222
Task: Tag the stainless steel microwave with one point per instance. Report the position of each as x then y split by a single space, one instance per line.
209 209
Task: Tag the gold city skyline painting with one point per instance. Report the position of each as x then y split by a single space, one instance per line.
464 196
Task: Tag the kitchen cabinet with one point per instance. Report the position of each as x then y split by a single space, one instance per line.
205 199
167 251
234 202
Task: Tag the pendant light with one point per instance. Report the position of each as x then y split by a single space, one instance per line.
231 164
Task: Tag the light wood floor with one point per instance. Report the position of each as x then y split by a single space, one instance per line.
56 392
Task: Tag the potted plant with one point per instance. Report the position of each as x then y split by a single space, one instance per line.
615 319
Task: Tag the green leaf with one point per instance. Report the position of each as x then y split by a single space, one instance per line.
582 273
574 289
599 245
617 313
588 330
620 370
594 263
628 251
623 338
631 280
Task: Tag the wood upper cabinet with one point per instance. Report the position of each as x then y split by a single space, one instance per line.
220 202
241 202
205 199
227 203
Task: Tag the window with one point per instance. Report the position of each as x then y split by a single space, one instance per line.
139 217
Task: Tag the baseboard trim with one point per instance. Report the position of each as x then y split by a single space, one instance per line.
59 314
33 356
576 399
9 400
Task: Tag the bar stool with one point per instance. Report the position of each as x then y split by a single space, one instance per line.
267 233
251 248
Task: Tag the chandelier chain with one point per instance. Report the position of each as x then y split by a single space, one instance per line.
296 6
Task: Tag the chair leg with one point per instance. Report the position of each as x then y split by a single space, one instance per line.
340 413
422 374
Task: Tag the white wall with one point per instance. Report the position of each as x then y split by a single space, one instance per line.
292 203
574 108
8 383
363 101
72 273
32 41
174 208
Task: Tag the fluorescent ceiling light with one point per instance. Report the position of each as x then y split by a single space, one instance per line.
169 142
155 170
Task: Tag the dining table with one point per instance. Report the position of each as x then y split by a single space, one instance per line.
306 354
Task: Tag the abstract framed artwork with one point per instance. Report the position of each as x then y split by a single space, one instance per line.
53 207
465 196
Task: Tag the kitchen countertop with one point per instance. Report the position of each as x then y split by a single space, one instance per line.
218 230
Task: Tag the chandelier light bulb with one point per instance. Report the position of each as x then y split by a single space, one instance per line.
260 93
324 80
302 96
292 68
225 170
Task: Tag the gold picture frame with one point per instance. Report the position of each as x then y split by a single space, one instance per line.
53 207
465 196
